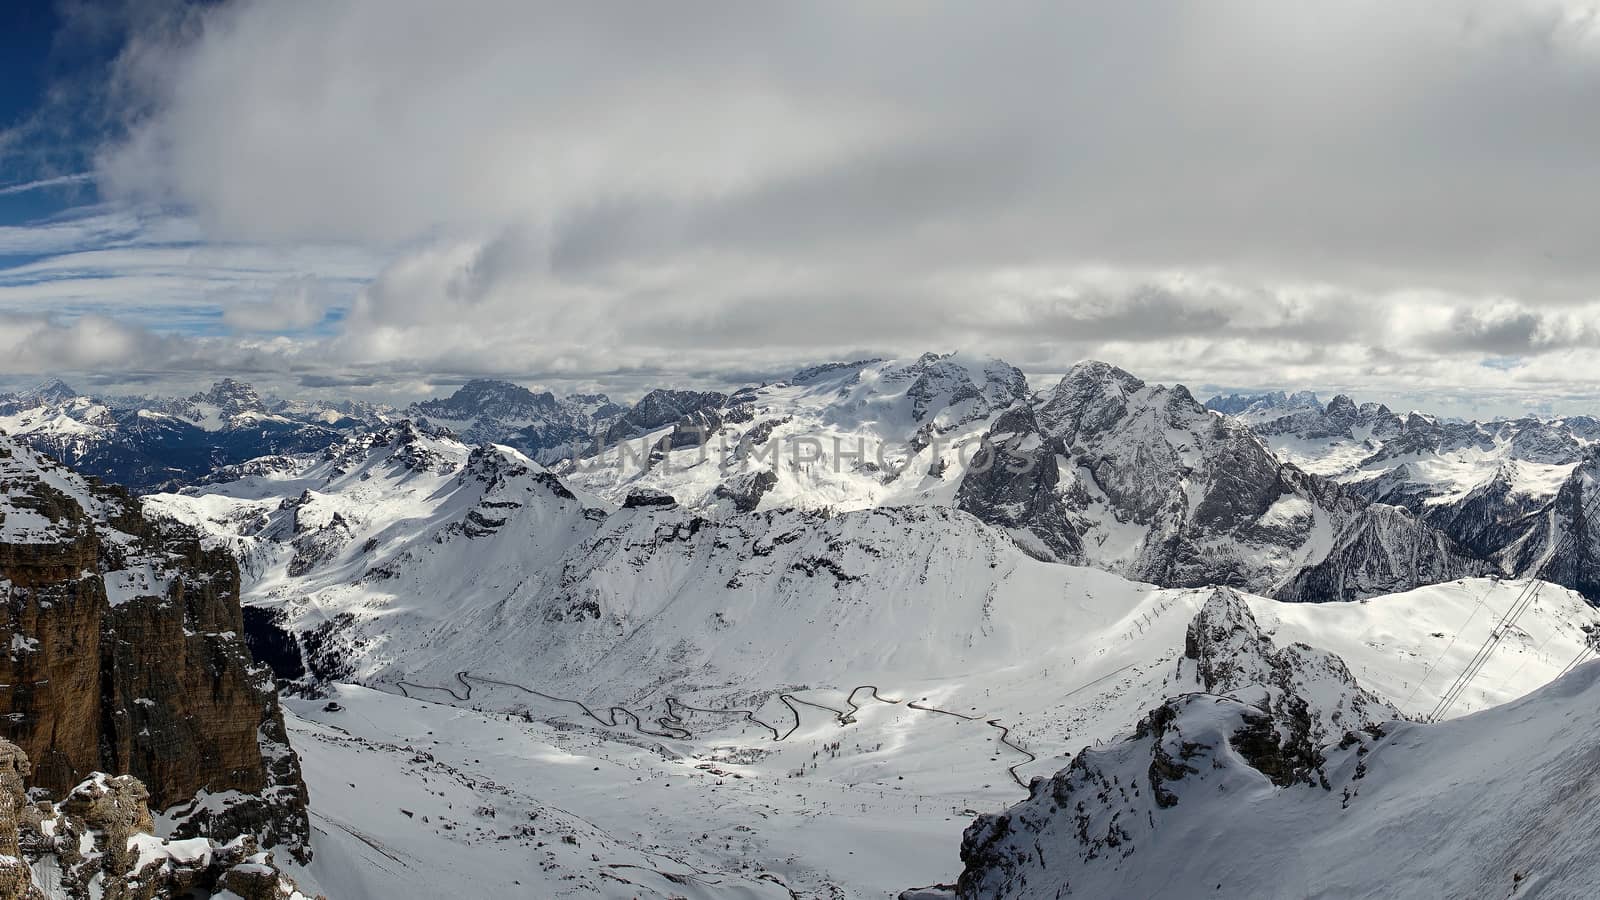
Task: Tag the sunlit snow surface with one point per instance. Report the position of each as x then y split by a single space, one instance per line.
860 810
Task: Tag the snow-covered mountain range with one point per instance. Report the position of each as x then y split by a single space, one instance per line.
1510 492
588 650
1100 469
146 443
1279 494
867 664
1266 407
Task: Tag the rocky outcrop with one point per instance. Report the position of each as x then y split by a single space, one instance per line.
99 843
658 409
1014 483
746 489
1310 693
127 655
1561 541
1260 721
1385 550
648 498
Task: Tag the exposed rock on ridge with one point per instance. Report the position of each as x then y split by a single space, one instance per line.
127 654
1260 722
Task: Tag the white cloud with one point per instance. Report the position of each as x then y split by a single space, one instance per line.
295 305
1378 195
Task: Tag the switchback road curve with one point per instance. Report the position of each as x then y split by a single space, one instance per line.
672 726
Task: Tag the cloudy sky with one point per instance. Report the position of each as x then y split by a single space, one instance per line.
1395 198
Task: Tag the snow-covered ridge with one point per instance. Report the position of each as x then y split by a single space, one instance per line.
1102 469
1490 805
844 437
411 554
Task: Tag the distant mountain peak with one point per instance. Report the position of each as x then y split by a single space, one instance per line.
1265 405
51 393
233 397
538 423
1094 370
491 393
52 390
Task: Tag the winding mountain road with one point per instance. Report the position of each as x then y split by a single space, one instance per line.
672 725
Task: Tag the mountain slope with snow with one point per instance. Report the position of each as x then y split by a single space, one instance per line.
1158 488
1498 804
406 555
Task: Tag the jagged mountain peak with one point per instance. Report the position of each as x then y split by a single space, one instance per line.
1341 404
940 381
1091 396
47 395
491 398
662 407
546 427
1094 371
1264 406
1261 720
233 397
1095 399
52 390
1234 656
1189 805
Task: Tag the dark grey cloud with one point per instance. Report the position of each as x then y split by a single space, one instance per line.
321 380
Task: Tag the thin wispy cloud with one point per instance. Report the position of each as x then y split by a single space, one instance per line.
44 183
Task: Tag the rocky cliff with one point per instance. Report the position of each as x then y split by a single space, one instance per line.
99 842
126 654
1141 480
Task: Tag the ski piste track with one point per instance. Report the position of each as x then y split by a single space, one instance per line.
672 726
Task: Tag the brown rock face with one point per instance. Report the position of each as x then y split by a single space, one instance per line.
15 879
124 652
99 843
